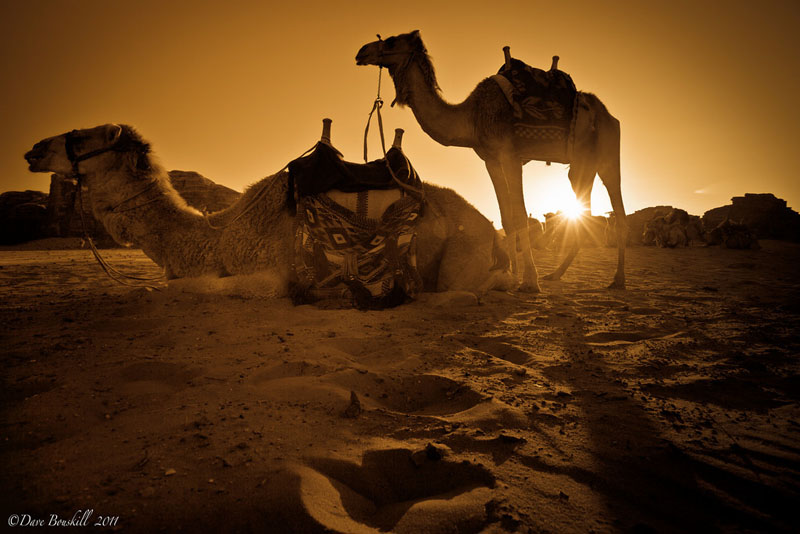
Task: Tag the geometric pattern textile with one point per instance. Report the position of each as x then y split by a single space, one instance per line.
543 103
343 254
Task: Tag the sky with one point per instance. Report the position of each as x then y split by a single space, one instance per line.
705 90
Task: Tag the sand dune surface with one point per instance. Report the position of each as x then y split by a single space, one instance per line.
671 406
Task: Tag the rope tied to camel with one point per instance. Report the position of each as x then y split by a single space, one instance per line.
253 200
110 270
376 107
75 159
376 110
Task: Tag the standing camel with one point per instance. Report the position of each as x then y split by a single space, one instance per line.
484 122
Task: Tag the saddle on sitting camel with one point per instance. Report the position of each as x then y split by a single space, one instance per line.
355 237
544 105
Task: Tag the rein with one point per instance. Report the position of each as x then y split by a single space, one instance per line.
113 273
376 109
110 270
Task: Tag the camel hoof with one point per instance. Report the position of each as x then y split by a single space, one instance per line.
616 284
552 277
529 288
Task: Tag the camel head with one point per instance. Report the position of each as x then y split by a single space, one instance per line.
97 154
397 54
57 153
391 52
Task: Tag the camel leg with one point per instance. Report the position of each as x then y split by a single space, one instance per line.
581 176
495 170
512 168
612 183
611 176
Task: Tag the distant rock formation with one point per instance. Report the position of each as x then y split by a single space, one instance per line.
64 213
767 216
28 215
23 216
202 193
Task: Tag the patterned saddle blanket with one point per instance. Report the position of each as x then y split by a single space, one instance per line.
356 243
544 107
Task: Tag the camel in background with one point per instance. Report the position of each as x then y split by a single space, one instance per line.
133 198
484 122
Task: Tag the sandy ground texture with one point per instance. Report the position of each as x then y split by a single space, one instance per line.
669 407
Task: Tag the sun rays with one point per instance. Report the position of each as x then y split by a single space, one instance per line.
572 209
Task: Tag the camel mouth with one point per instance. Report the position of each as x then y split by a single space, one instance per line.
34 159
364 57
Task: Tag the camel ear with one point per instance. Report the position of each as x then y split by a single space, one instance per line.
113 133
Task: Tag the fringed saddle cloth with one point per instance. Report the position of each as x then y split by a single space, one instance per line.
544 105
356 245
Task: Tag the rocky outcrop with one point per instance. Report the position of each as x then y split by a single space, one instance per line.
23 216
767 216
64 212
202 193
28 215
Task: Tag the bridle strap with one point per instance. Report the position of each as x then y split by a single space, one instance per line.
114 274
75 159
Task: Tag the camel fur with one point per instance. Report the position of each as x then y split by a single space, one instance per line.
132 196
484 122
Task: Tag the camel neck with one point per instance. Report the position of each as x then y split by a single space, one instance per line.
152 221
448 124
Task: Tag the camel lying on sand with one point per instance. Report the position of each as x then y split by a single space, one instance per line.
457 247
675 229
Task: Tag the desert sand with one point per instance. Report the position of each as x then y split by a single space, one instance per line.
671 406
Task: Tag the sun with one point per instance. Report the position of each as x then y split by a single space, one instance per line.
572 209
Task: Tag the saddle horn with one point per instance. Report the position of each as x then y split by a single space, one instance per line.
326 132
398 139
507 55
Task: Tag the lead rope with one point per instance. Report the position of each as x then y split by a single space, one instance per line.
376 106
112 272
376 109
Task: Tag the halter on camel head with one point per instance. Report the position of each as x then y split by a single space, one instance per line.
75 159
123 142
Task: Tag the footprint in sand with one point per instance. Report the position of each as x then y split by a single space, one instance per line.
290 369
415 394
599 305
498 346
601 339
147 378
396 490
